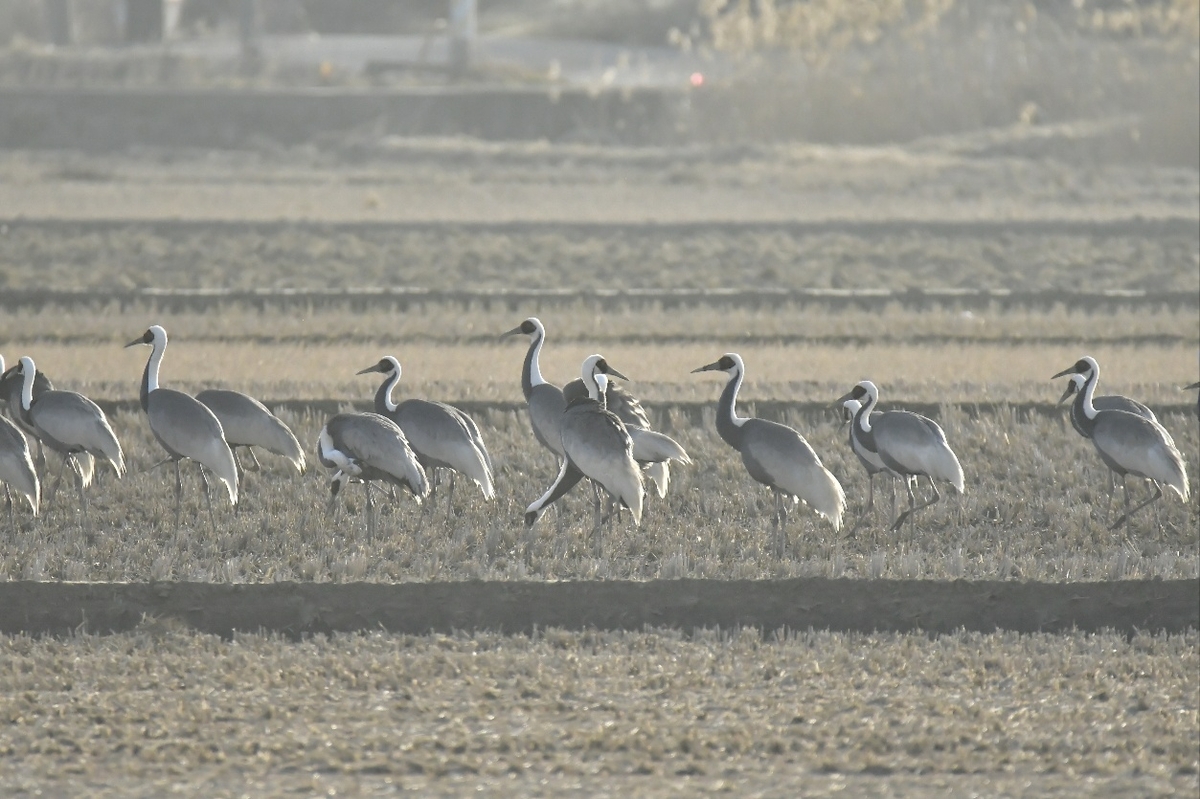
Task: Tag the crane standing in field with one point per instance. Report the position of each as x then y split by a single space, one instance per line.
775 455
546 402
16 468
870 460
1110 402
69 423
442 436
909 445
653 450
595 445
1128 443
10 403
367 447
185 428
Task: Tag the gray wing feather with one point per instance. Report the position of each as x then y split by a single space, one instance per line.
16 464
1138 446
784 458
246 422
377 443
186 428
912 444
440 438
598 445
68 422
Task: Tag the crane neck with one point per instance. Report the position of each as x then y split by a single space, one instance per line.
383 397
150 373
862 419
729 424
531 373
1085 410
860 429
27 379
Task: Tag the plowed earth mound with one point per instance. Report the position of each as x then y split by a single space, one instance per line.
297 609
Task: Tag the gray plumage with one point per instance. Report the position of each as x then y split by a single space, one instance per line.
1107 402
908 444
248 423
546 402
442 436
775 455
367 447
596 444
10 403
653 450
1128 443
16 468
184 426
70 424
870 460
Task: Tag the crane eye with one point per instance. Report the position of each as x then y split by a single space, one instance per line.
527 327
726 362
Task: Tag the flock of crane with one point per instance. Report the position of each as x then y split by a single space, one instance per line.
594 428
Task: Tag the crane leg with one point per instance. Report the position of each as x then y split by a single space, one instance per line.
12 520
83 503
912 507
253 457
1128 513
450 497
370 511
57 481
178 495
208 498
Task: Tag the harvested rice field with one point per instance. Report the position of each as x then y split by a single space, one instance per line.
1104 259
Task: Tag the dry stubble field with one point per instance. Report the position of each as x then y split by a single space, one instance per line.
654 712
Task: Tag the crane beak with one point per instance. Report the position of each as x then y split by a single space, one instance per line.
368 370
715 366
134 343
614 373
1188 388
1067 394
840 401
514 332
1068 371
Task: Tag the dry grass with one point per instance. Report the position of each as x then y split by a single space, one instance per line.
117 256
1034 510
647 714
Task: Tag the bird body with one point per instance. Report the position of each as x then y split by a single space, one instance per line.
907 444
246 422
16 466
441 435
184 426
774 454
1128 443
546 402
869 458
10 403
71 425
368 447
596 444
653 450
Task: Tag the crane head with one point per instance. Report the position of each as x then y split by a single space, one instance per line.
730 362
529 327
1084 366
154 333
387 366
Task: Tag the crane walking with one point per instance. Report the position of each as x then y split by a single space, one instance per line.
775 455
1128 443
185 427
